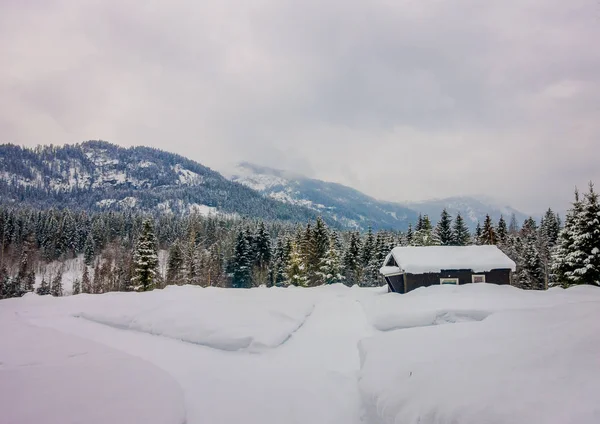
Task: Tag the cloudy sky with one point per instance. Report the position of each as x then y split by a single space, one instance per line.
402 99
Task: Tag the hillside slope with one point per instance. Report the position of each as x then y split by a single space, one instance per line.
355 209
96 175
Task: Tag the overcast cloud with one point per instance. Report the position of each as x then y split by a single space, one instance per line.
404 100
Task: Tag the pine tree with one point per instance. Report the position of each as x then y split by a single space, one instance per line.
330 270
577 256
589 240
145 259
530 274
425 236
76 286
280 256
320 245
175 264
501 231
296 272
88 250
56 288
241 264
548 237
352 260
262 250
488 234
443 229
409 235
478 234
86 283
460 233
420 223
25 277
44 288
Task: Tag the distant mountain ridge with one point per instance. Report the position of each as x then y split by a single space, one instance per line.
356 209
348 206
97 175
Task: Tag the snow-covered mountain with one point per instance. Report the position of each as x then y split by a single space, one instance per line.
97 175
472 209
353 208
348 206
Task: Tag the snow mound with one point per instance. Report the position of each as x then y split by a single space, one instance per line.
222 319
50 377
534 365
443 304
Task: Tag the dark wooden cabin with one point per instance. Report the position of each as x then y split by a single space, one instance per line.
407 268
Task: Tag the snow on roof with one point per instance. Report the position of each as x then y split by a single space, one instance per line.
420 260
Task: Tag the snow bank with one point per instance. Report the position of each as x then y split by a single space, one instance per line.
419 260
50 377
219 318
535 365
470 302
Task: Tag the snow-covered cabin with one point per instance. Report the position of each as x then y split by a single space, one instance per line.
406 268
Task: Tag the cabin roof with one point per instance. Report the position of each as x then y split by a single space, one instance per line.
435 259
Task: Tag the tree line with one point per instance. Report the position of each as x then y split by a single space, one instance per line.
120 250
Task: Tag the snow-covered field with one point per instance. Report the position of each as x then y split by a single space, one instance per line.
323 355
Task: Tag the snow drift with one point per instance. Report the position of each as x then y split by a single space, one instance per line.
533 359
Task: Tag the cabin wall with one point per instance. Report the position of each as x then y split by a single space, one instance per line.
496 276
396 283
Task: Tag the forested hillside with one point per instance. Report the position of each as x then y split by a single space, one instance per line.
97 175
120 249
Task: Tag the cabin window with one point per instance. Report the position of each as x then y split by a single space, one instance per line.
391 262
478 278
449 281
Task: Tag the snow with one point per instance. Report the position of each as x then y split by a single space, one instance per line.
187 177
203 210
434 259
329 354
71 269
533 365
204 316
55 378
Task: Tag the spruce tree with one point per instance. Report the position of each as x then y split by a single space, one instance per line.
56 288
320 247
296 272
86 283
443 229
425 236
460 233
88 250
409 235
76 286
478 234
44 288
488 234
352 260
241 264
262 250
577 256
330 270
501 231
280 263
368 248
175 264
145 259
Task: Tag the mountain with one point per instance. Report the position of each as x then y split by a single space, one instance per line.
348 206
96 175
352 208
472 209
